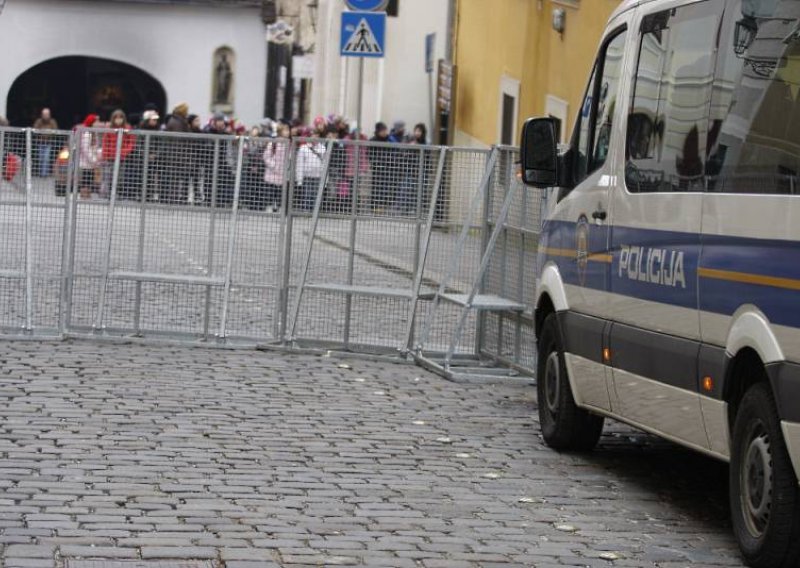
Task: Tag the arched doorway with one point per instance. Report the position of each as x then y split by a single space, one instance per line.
75 86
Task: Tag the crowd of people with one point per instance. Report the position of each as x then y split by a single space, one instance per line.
184 169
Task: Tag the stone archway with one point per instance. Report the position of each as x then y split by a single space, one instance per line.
74 86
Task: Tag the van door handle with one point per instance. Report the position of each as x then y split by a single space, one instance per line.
600 215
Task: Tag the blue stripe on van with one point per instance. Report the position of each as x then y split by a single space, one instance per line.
735 270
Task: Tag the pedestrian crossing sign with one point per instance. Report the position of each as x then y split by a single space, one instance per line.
363 34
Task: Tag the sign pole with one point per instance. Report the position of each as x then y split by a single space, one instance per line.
360 109
363 35
430 47
431 105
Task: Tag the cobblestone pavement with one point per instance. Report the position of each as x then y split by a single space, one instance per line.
258 459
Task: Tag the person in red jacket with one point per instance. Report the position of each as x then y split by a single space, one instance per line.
108 153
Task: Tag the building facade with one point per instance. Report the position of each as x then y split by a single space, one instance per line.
522 58
396 87
291 37
81 56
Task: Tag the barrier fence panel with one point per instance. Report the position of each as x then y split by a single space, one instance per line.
33 176
174 235
254 308
456 250
357 232
332 243
512 273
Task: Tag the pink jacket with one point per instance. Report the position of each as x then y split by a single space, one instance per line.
275 157
363 167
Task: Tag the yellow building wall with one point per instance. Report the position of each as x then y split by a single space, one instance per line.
515 38
491 37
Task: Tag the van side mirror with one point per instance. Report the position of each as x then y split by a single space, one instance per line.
539 153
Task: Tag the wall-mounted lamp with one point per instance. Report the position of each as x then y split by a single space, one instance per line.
559 20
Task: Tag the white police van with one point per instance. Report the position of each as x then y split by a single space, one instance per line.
669 294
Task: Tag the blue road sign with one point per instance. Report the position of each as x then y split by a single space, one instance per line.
430 46
363 34
367 5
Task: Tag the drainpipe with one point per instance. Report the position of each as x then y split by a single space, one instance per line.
451 29
269 15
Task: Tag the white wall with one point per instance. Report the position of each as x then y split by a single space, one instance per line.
174 44
395 87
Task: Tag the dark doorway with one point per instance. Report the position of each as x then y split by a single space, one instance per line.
509 110
73 87
287 95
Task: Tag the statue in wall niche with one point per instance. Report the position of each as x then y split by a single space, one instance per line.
223 80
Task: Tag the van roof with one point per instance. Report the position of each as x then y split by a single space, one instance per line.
629 5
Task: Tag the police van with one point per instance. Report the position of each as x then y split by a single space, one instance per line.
669 290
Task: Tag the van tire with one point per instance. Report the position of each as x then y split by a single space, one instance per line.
564 425
764 495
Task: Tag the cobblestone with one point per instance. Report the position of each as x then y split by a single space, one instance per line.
250 459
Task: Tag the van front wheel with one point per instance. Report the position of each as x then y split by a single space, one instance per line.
764 496
564 425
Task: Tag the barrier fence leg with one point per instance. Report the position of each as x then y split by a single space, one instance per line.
287 228
212 230
459 247
420 213
137 313
501 317
352 254
523 238
64 301
29 231
74 190
232 241
426 245
487 257
418 227
486 228
326 165
98 324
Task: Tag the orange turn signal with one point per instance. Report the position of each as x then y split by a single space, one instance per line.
708 384
606 355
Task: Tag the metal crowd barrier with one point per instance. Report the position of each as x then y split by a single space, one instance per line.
384 248
33 168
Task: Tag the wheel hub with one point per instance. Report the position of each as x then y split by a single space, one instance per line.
552 377
756 482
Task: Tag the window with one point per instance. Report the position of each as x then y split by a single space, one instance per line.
595 123
557 109
754 138
509 111
582 132
507 135
668 124
559 124
393 8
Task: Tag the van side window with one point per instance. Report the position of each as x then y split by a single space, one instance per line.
754 143
668 124
581 144
595 123
607 99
